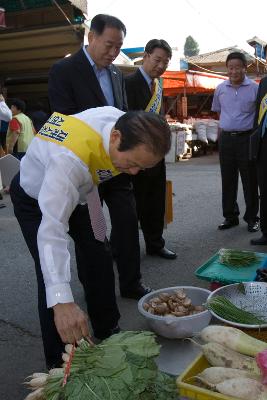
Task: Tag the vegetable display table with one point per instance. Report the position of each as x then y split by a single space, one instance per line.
175 355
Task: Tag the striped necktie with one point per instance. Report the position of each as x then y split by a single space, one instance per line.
264 125
97 218
153 86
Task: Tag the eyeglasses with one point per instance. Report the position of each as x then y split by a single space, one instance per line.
159 60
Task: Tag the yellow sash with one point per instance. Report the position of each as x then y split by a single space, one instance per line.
83 141
154 104
263 109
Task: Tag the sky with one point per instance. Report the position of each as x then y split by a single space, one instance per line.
213 24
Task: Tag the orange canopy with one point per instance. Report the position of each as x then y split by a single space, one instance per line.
190 82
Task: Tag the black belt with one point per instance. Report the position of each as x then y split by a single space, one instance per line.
238 133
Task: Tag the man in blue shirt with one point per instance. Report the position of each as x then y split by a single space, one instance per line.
235 101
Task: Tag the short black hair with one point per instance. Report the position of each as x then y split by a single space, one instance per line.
147 128
158 44
20 104
237 55
102 21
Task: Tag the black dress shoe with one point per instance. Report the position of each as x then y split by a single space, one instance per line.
136 292
228 223
163 253
258 242
253 226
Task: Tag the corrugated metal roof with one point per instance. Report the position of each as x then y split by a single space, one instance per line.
217 56
134 52
255 40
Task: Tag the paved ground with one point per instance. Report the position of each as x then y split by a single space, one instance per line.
193 235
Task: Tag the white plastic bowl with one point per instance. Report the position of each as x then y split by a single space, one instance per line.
178 327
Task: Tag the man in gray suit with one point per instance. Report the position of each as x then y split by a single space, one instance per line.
85 80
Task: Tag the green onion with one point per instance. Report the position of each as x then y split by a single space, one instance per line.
225 309
237 258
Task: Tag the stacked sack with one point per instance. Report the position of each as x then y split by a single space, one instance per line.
207 130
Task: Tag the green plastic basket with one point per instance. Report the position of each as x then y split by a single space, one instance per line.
214 271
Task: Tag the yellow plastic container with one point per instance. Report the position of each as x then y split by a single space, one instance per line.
191 391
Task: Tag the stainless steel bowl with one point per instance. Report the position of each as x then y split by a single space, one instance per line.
250 296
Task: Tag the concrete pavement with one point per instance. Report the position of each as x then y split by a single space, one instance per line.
193 235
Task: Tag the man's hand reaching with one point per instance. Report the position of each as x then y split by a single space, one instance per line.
71 322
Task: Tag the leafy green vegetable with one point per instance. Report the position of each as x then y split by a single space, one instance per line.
122 367
163 389
237 258
224 308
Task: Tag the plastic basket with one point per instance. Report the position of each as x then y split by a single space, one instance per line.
213 271
249 296
192 391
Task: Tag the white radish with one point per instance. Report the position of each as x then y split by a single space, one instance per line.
243 388
56 371
68 348
233 338
37 382
37 375
220 356
65 357
213 375
38 394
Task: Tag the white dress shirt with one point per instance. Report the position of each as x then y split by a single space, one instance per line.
59 180
5 112
146 77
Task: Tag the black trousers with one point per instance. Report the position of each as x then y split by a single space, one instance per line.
262 174
150 190
118 195
234 159
95 270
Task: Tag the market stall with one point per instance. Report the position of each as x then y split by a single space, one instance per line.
190 82
188 96
222 362
184 354
192 137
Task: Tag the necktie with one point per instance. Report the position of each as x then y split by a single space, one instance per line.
264 125
96 215
153 85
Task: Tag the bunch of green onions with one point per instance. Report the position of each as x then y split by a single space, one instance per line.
237 258
225 309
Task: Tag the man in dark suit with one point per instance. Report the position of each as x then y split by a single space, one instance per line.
144 92
259 151
85 80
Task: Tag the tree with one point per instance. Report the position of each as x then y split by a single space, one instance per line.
190 47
